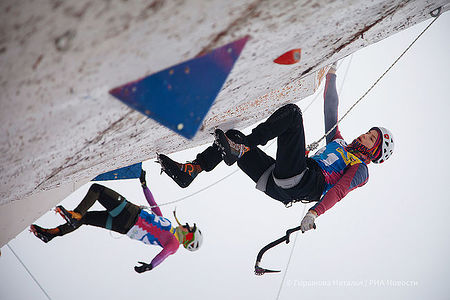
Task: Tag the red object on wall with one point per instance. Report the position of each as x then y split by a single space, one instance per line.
291 57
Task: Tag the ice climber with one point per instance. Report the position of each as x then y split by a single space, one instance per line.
126 218
326 177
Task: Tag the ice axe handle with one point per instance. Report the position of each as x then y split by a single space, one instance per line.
289 231
259 270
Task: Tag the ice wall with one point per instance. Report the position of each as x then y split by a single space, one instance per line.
58 59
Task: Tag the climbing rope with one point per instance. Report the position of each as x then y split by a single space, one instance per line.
314 145
340 89
35 280
290 256
193 194
345 75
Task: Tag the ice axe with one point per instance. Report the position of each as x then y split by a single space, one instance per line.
261 271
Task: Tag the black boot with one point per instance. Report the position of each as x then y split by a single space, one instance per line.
182 174
71 217
231 144
45 235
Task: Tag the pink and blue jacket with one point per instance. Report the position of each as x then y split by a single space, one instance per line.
342 170
153 229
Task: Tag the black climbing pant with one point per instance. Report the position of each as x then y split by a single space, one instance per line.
285 124
118 216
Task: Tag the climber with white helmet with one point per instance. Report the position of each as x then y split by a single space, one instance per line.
127 218
326 177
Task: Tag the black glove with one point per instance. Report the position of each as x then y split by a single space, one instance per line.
143 268
142 178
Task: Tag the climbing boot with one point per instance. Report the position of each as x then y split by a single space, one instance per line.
231 151
182 174
71 217
44 234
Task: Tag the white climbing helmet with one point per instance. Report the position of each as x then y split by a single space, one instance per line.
196 241
387 145
193 238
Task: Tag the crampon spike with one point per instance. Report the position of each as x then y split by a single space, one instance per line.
158 161
261 271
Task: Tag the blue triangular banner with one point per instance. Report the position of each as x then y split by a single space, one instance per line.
179 97
130 172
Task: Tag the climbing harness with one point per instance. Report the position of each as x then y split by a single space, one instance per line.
114 213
